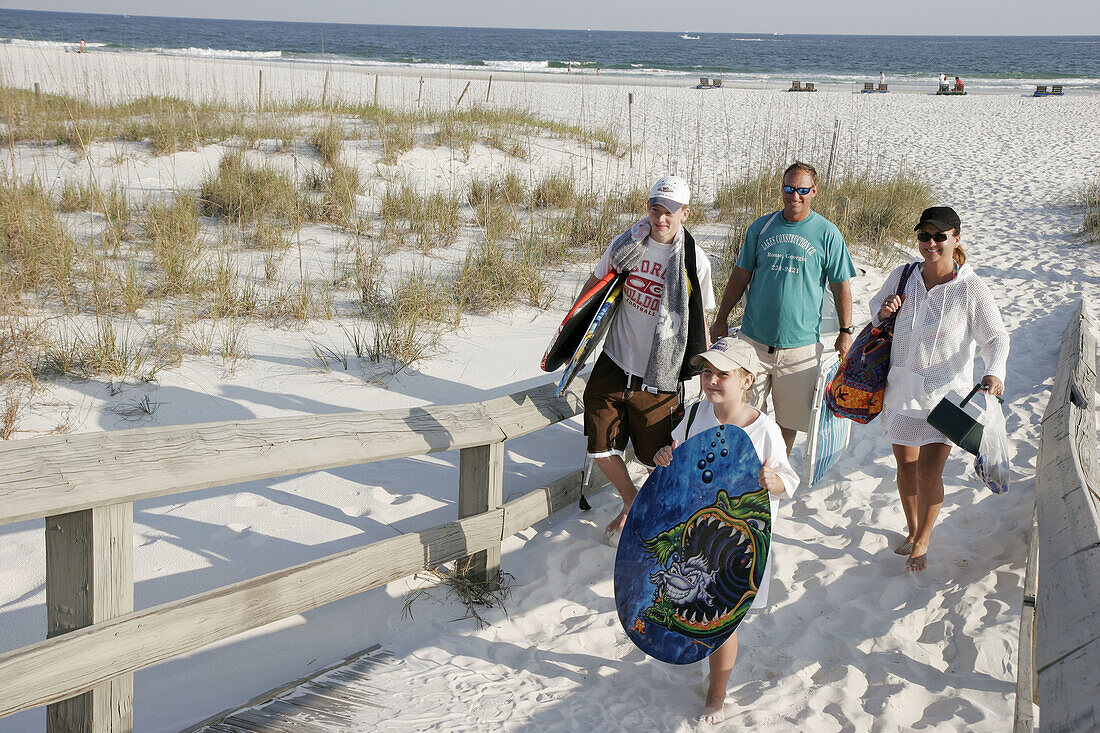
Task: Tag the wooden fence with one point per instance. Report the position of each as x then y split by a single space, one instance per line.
85 485
1062 584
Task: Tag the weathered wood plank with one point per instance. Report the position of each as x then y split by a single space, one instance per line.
370 652
90 578
1024 717
59 474
481 488
525 412
67 665
1067 627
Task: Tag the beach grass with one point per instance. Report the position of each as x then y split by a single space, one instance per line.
874 210
241 191
1090 202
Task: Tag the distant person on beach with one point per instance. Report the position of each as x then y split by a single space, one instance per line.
83 46
785 262
943 78
942 318
882 78
958 84
729 367
634 391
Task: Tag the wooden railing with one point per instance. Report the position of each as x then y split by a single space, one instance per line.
85 485
1065 586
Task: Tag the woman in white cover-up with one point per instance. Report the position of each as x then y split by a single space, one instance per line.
944 317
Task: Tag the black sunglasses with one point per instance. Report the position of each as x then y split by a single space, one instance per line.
792 189
940 237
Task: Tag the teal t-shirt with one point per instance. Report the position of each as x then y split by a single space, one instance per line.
790 263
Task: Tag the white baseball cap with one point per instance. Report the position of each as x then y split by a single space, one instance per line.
670 192
729 353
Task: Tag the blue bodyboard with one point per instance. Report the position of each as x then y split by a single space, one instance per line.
694 548
828 435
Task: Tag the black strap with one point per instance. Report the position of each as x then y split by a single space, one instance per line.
905 276
691 418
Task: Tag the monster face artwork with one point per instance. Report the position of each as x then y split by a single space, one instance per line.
715 562
694 549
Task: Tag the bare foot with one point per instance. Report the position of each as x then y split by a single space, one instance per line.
711 715
616 524
905 547
916 563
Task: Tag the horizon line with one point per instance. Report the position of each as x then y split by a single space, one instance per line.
527 28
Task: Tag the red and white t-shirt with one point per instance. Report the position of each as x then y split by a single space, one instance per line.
630 338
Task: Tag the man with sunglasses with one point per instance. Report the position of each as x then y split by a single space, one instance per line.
785 262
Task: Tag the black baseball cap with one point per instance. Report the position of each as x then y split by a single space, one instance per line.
941 217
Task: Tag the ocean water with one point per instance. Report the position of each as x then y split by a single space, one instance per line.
1008 64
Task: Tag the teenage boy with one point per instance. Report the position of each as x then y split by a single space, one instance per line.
635 388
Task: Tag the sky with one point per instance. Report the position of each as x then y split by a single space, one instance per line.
888 17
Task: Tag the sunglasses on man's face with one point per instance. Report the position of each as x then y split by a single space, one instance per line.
940 237
800 191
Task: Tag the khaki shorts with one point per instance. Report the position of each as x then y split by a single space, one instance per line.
614 413
789 376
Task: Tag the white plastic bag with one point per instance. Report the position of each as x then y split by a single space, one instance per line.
993 464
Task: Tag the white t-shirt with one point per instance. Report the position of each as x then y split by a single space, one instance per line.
768 441
630 338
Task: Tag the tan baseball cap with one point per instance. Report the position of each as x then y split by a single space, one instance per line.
729 353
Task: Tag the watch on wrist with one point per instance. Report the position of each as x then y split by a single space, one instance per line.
847 329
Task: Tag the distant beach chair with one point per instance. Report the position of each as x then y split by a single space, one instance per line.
809 87
958 88
704 81
1056 89
868 86
1040 90
716 82
796 86
944 88
882 88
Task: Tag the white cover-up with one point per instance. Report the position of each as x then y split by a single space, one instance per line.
937 334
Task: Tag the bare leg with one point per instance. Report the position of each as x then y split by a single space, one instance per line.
788 437
930 465
721 664
614 468
906 458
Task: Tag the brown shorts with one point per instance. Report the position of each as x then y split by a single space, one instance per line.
614 413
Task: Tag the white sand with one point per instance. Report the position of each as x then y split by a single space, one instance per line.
850 642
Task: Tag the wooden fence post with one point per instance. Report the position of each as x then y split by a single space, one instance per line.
460 96
481 488
90 578
37 93
489 88
260 94
630 125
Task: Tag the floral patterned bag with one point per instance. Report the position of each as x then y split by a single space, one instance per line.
857 390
